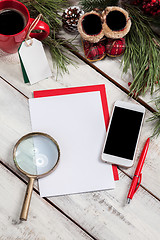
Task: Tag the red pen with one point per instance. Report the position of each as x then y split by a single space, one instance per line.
138 175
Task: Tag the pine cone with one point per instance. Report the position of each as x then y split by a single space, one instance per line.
70 18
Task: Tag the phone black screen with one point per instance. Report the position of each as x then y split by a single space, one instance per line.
123 133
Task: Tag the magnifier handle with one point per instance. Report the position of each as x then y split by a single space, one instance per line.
27 199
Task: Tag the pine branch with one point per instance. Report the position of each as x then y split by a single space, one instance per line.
49 9
59 52
156 118
142 53
89 5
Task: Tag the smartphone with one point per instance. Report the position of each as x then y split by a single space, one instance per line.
123 133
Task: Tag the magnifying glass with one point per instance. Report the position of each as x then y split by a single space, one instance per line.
35 155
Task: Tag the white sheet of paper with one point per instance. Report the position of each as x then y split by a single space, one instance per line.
35 61
76 122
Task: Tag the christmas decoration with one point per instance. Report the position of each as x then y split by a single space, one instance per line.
150 7
70 18
94 51
116 22
113 22
142 48
94 26
115 47
90 26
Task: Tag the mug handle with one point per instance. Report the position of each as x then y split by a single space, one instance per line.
45 30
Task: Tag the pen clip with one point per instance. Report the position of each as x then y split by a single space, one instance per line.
139 182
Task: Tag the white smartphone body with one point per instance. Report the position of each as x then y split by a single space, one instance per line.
123 133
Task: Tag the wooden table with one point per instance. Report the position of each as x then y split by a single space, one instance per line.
100 215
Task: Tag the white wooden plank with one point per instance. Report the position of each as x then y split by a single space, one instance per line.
15 119
107 216
103 214
83 208
44 221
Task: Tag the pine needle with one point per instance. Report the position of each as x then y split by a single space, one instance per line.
89 5
142 53
156 118
59 53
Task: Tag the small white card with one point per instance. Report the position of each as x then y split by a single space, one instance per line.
34 60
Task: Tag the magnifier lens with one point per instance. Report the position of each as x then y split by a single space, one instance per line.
36 154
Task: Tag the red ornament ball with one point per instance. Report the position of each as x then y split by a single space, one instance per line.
115 47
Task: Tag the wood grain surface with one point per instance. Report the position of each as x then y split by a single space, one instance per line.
98 215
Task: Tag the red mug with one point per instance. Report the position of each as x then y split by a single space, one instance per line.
14 25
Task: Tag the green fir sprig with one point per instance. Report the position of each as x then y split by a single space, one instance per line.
156 118
49 9
89 5
59 53
142 53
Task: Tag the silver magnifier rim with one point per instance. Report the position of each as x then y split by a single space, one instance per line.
27 136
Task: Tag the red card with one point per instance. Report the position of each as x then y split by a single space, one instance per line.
74 90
